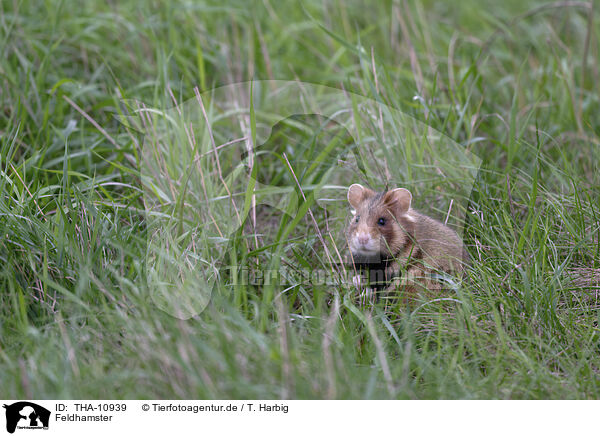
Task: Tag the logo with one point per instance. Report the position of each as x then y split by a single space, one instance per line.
247 162
26 415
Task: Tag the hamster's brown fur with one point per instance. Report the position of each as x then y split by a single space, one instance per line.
387 238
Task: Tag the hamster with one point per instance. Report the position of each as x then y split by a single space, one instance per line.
388 239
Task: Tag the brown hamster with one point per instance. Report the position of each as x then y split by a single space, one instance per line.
388 238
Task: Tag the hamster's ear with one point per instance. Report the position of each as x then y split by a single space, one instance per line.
398 200
357 194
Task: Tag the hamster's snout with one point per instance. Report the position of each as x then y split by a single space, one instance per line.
364 243
363 239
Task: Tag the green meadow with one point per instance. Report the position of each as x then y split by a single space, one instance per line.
96 224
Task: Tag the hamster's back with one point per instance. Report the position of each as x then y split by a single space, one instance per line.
441 246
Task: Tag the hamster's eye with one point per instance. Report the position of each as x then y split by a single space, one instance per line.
381 221
357 218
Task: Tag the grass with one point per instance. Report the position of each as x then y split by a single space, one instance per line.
513 83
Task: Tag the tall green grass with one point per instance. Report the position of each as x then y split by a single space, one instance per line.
514 83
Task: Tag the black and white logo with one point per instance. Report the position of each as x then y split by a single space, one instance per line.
26 415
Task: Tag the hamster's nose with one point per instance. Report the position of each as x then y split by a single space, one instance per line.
363 239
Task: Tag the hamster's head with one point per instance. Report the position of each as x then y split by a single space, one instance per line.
381 224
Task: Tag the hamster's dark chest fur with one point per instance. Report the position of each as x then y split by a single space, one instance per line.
375 274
